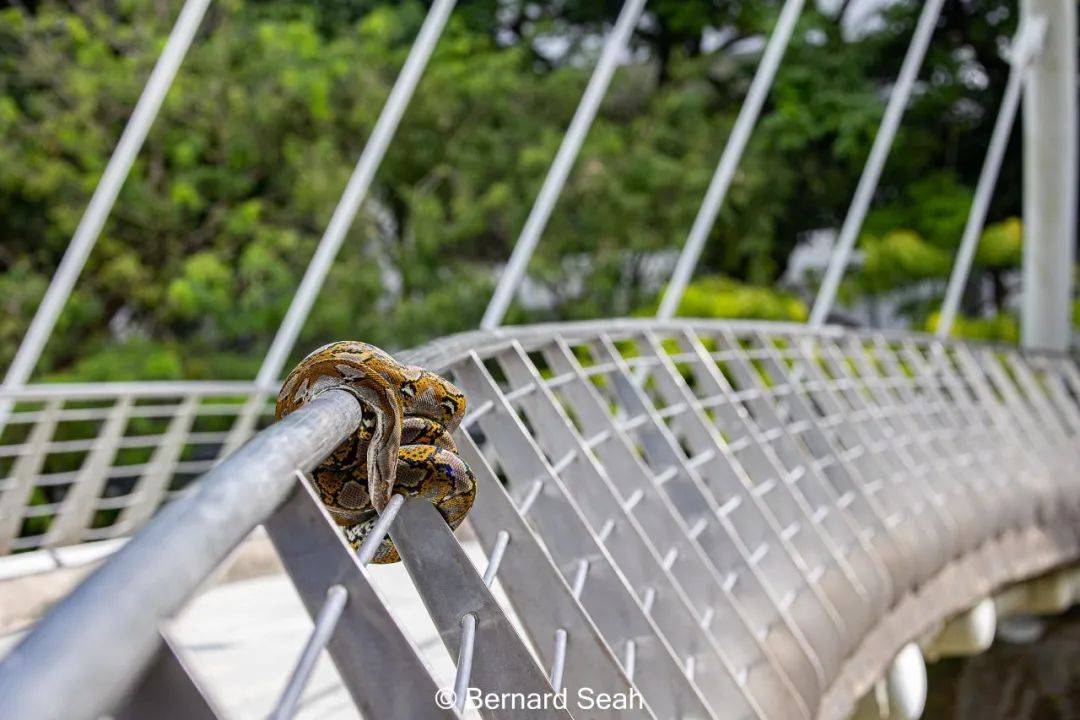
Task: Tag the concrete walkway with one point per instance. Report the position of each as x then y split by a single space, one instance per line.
244 637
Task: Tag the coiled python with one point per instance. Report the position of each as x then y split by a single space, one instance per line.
403 443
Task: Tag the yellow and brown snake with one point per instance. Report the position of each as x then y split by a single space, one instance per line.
403 444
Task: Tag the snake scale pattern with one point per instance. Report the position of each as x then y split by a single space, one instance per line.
403 444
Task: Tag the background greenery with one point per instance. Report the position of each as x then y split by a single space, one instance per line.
271 108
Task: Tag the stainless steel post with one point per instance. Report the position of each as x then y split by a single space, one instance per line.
1050 165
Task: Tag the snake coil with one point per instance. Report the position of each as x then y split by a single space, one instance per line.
403 444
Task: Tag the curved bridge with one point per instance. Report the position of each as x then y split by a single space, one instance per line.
704 519
733 519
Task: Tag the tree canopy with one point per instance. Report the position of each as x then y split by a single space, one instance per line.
271 108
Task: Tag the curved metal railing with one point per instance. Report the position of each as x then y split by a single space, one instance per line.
94 461
733 519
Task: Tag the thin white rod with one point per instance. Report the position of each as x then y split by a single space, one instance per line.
497 552
104 197
559 663
729 159
355 191
984 190
465 658
586 111
342 219
325 622
871 174
371 543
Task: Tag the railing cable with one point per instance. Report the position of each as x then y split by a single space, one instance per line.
729 159
343 217
103 199
586 111
1025 48
879 152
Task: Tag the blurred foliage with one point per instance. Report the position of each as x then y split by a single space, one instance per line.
720 297
257 138
999 328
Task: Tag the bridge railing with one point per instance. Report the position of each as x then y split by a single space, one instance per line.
94 461
732 519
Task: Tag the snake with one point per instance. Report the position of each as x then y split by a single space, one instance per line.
403 443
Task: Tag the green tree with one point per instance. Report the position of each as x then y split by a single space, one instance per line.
256 140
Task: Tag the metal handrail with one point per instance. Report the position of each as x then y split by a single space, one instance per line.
145 388
114 616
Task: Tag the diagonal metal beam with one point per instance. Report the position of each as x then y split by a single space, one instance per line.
560 168
97 212
879 152
729 159
1026 47
342 219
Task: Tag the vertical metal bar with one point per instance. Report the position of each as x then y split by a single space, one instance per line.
496 556
325 622
342 219
607 595
1008 481
784 503
14 499
1051 419
640 561
868 182
1025 47
559 663
560 167
734 550
765 456
729 159
974 463
371 543
754 516
97 211
1050 182
896 443
931 488
80 503
854 482
942 441
756 636
465 658
903 485
1063 374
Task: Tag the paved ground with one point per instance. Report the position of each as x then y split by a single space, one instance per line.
244 637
